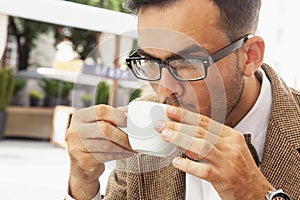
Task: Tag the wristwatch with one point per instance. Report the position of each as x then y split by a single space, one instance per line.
277 195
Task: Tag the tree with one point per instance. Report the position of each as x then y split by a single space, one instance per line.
26 31
116 5
84 40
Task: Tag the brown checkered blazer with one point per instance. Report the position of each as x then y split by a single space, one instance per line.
280 163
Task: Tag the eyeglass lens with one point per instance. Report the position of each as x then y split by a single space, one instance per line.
183 69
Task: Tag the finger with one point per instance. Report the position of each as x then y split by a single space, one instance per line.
82 152
191 130
188 117
202 170
103 130
101 113
103 146
201 147
123 108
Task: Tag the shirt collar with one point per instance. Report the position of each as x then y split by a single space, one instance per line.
257 119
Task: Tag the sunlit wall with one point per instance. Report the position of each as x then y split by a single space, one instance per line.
280 27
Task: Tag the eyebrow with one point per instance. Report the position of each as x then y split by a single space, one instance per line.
184 52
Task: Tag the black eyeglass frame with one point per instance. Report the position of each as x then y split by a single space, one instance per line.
207 60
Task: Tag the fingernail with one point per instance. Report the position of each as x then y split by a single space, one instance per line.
159 125
167 134
176 161
171 110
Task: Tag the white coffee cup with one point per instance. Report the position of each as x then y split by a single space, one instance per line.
141 118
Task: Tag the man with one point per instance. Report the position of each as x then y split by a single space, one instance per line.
257 102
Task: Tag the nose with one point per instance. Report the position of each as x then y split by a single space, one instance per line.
168 85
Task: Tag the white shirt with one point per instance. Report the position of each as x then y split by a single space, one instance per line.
255 122
97 197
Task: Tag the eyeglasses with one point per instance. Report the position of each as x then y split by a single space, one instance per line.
183 69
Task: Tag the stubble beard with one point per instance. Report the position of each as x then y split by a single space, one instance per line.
235 90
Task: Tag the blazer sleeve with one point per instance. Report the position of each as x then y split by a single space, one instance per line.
116 188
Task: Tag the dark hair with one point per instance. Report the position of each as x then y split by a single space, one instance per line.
238 17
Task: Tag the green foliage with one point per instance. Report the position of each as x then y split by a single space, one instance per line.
86 98
84 40
34 94
67 87
135 94
6 87
102 93
32 29
52 88
86 2
116 5
26 31
19 84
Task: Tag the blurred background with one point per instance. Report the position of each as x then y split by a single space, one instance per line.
57 56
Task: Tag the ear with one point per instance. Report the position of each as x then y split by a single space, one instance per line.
254 50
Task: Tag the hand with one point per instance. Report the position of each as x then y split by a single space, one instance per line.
228 164
93 139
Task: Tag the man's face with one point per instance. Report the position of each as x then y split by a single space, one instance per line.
164 32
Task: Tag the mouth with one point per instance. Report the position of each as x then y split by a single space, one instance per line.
173 100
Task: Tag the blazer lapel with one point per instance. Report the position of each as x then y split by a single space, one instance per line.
281 158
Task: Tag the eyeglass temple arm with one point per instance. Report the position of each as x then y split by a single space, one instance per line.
218 55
